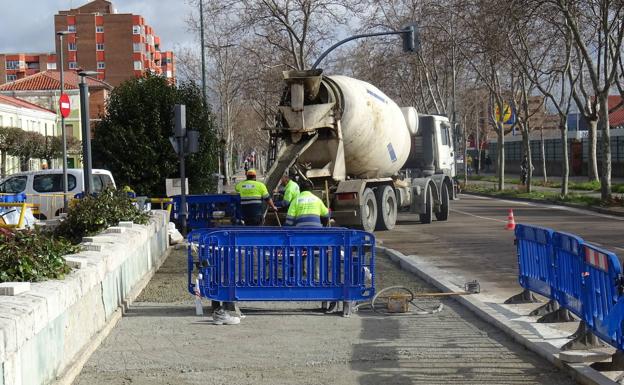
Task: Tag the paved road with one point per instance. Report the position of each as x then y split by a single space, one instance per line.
473 243
160 341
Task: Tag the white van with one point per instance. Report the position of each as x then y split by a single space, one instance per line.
45 187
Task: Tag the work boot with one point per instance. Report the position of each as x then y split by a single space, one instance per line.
333 306
222 317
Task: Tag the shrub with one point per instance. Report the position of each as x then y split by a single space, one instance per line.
92 214
28 255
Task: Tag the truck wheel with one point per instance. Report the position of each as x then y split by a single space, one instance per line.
368 210
443 214
387 208
427 216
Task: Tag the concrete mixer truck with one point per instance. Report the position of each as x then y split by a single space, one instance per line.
367 157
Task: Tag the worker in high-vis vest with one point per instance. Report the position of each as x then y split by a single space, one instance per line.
291 191
307 210
252 194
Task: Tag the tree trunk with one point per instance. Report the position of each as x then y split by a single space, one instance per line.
3 161
592 159
603 121
565 164
501 157
465 149
543 154
527 152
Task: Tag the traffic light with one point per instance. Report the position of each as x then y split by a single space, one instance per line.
411 38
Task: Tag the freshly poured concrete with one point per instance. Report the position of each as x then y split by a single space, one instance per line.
163 342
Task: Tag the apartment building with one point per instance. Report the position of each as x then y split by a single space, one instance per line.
117 45
14 66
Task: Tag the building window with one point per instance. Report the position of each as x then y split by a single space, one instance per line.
13 64
138 65
51 65
99 28
137 47
73 65
71 46
11 78
101 65
136 29
71 28
99 47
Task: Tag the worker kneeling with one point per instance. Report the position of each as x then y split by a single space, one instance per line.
307 210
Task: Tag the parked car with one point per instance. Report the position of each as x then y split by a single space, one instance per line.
45 187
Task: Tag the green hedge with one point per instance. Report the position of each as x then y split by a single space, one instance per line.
28 255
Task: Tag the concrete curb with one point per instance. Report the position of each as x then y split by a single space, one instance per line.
545 202
74 369
581 373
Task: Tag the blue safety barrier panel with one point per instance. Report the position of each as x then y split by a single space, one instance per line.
282 264
583 278
17 198
568 267
202 208
535 259
601 277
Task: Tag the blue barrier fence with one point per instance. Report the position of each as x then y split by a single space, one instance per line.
583 278
13 198
278 264
202 209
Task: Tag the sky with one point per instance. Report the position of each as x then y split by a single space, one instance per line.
28 25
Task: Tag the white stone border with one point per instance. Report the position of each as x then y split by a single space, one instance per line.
44 331
516 329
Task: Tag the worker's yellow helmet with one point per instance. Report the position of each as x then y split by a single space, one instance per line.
251 172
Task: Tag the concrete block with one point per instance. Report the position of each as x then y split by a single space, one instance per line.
126 224
87 245
14 288
8 337
578 356
115 230
75 261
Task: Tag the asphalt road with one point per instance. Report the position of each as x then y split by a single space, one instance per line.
473 243
160 341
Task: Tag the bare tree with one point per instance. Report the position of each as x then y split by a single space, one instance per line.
597 31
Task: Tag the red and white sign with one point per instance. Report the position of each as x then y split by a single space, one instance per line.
596 259
64 105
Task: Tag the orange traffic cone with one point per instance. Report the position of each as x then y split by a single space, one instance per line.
511 223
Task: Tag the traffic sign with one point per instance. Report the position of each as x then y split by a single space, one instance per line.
64 105
508 115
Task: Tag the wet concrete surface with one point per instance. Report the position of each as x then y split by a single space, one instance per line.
161 341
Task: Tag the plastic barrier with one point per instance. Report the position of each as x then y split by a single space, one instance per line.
583 278
12 198
567 268
601 281
209 210
535 259
278 264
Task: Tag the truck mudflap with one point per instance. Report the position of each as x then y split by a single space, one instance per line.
349 217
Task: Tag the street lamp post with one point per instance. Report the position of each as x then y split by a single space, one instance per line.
60 34
86 130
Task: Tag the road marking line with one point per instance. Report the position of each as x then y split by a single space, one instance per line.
478 216
554 207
